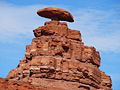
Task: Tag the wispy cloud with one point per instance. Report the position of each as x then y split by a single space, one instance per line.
18 21
99 28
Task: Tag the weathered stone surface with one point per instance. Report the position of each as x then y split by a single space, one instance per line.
73 34
55 14
58 58
90 55
6 84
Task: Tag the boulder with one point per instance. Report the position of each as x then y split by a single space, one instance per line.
55 14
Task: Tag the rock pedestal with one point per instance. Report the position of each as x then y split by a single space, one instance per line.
58 59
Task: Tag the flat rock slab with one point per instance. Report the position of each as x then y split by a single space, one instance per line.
55 14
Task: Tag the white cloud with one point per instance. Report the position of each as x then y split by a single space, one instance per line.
99 28
17 21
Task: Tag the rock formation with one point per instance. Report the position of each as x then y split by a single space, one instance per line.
6 84
57 59
55 14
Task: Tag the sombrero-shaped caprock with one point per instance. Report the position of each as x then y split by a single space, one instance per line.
55 14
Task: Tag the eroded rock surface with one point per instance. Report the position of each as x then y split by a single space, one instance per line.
54 13
6 84
58 58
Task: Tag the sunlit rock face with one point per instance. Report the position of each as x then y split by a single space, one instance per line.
56 14
57 59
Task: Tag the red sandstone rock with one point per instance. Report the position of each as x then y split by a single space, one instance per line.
55 14
6 84
73 34
58 58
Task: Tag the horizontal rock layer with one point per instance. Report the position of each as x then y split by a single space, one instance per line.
58 57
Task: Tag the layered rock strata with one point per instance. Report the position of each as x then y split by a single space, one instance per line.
58 58
6 84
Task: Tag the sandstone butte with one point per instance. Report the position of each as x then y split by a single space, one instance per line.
57 59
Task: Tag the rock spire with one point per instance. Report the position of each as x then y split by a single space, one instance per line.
57 59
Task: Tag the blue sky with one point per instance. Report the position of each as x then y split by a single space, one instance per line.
98 21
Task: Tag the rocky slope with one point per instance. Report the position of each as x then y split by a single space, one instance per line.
57 59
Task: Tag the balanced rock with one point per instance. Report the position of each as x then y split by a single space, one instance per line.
55 14
57 59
